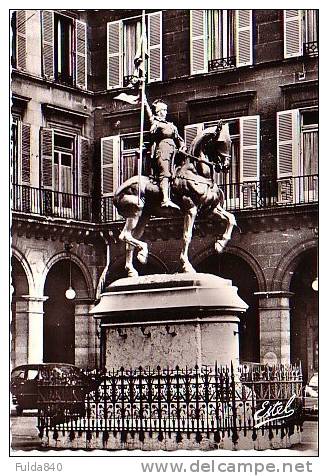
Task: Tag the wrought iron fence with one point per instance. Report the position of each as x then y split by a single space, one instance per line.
36 201
311 48
222 63
163 403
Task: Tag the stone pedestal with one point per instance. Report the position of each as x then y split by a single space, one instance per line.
170 320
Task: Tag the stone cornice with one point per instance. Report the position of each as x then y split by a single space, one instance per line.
236 96
52 108
250 221
300 85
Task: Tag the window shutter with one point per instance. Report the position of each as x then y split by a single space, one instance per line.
48 43
114 55
83 167
81 54
292 33
244 37
46 154
155 46
288 142
25 154
21 39
249 159
287 153
190 132
198 40
110 151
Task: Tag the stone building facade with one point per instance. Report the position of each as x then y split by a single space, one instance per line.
73 144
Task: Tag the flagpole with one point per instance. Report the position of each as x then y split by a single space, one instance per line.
142 114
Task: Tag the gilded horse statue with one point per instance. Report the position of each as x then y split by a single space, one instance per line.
193 189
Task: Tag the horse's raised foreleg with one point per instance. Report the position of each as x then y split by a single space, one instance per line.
230 220
131 243
188 224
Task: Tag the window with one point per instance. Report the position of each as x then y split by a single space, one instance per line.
65 174
240 183
128 166
14 150
231 180
64 49
131 38
220 39
123 41
63 171
21 166
297 135
119 161
301 28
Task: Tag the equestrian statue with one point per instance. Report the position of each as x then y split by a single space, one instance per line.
183 183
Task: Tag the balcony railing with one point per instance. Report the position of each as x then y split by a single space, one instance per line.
222 63
287 191
311 48
261 194
283 192
35 201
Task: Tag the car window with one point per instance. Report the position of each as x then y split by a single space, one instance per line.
32 374
18 374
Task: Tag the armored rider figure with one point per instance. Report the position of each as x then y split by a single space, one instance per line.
167 141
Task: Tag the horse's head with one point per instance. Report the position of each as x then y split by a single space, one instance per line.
215 143
221 148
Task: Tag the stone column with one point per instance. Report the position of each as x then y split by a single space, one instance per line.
35 328
19 330
274 314
85 334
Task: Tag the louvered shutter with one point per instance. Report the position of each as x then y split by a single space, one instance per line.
114 55
25 153
288 143
190 132
83 161
292 33
23 193
84 208
155 46
244 37
21 39
198 39
110 150
48 43
81 54
46 154
288 132
249 159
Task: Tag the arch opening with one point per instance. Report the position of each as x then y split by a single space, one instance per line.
304 314
59 312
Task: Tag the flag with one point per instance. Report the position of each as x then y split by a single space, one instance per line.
129 98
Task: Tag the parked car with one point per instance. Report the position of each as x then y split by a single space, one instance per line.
311 395
51 386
